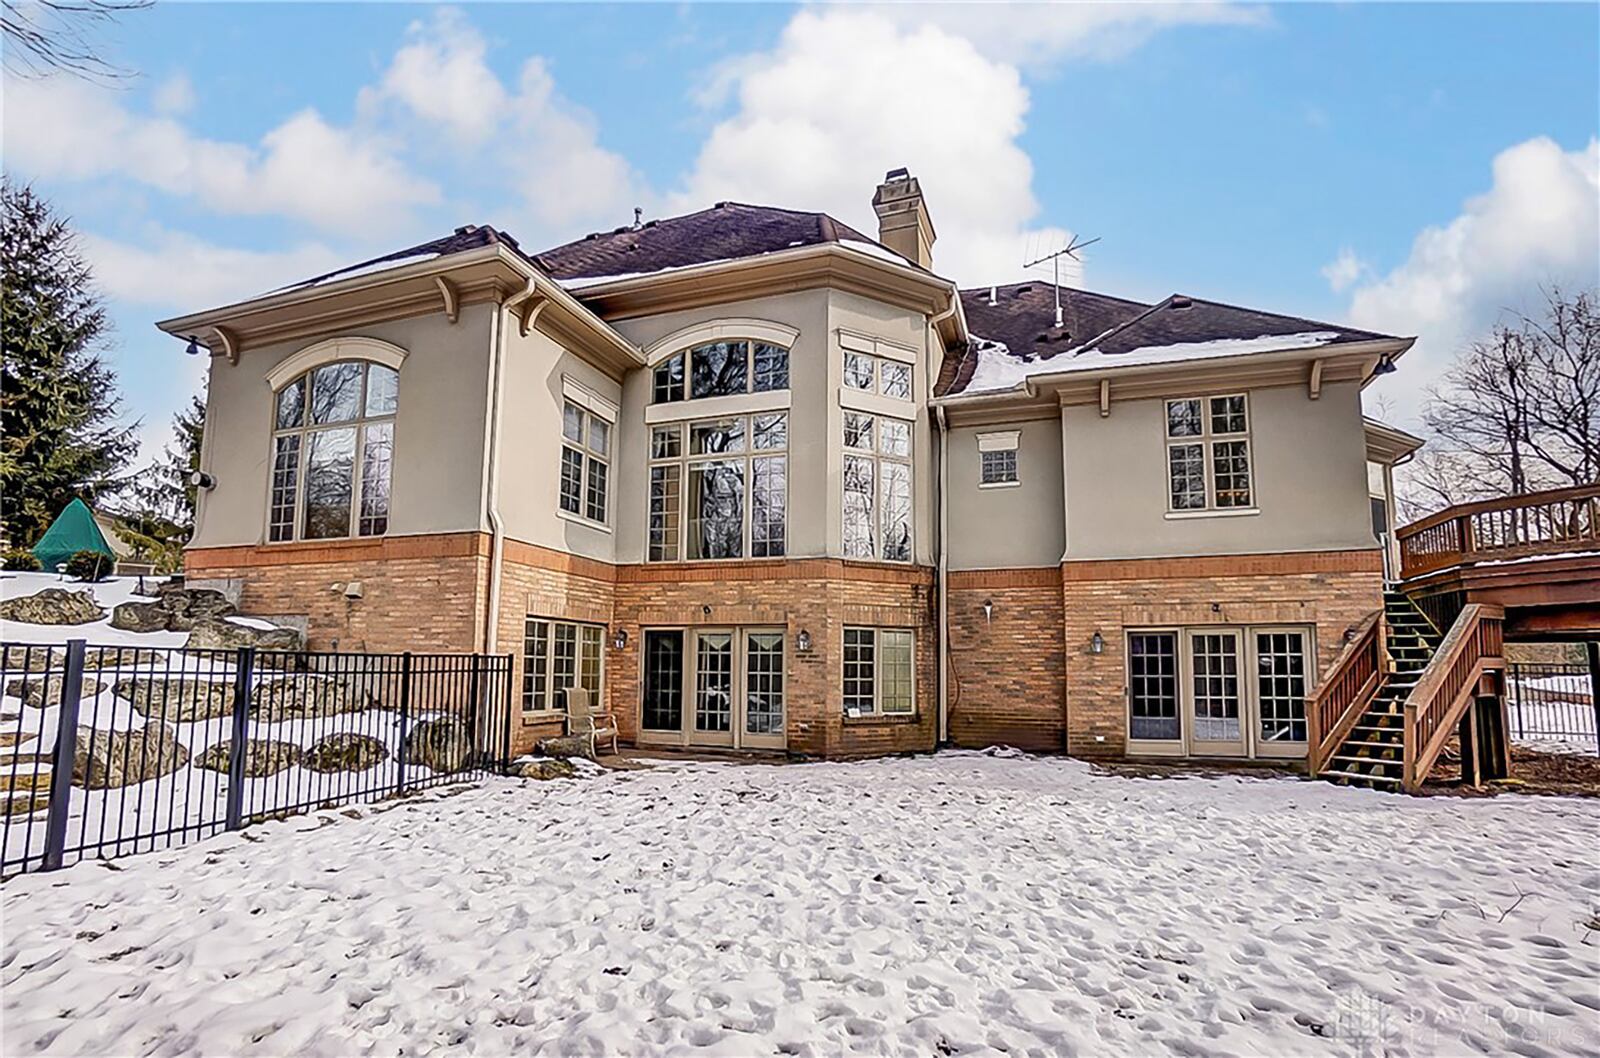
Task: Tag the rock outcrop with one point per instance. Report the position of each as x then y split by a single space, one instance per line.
120 758
443 745
175 609
305 696
262 757
220 634
40 691
53 606
544 769
177 701
345 752
567 746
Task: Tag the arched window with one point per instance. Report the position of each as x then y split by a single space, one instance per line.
332 452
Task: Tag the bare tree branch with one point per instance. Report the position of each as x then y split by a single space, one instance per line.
44 36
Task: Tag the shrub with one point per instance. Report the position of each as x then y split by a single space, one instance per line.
90 565
21 560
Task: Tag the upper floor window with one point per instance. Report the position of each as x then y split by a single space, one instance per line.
333 452
720 369
876 374
997 458
1208 453
720 492
877 487
585 462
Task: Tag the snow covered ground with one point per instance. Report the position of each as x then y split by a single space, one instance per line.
957 904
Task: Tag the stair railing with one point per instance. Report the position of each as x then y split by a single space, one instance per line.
1472 647
1347 688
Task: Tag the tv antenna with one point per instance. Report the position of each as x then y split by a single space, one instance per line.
1069 250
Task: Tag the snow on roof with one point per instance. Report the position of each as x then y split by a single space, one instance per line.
998 369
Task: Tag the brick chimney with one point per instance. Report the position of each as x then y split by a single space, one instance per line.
903 222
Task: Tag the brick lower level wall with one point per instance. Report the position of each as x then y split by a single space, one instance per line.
418 593
1330 591
819 596
1007 672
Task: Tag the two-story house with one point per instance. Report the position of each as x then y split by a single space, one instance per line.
763 482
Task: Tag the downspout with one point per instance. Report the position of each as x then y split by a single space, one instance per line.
943 596
491 487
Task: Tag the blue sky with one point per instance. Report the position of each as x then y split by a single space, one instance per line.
1413 168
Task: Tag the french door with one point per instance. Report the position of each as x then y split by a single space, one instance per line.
1219 691
713 687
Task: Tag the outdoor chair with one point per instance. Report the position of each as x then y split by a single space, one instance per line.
585 721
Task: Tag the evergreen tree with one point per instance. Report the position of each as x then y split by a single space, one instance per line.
59 435
166 491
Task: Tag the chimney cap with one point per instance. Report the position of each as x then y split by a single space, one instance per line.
901 173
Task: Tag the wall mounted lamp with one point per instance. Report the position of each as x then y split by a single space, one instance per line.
988 609
802 641
1097 643
620 638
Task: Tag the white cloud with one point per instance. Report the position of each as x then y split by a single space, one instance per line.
335 178
175 95
549 147
1043 35
847 95
1538 224
1344 270
172 271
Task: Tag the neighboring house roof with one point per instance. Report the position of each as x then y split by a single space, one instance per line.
725 232
1015 337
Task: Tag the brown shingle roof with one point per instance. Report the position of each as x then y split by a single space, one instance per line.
726 231
1023 320
470 237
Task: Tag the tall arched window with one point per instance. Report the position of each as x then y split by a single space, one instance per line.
332 452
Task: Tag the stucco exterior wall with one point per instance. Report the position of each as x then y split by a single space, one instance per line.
438 442
1016 526
1308 464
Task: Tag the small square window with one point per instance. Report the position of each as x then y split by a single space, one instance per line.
894 438
858 370
999 467
1227 414
858 431
894 380
1183 418
572 422
666 442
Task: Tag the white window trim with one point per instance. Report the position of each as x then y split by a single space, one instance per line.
1206 439
584 397
999 441
717 407
857 342
548 709
877 683
609 460
331 351
874 403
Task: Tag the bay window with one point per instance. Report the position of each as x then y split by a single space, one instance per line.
719 488
877 487
333 452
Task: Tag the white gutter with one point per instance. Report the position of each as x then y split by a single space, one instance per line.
943 604
491 463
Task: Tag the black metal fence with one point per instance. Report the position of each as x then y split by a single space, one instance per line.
106 751
1552 703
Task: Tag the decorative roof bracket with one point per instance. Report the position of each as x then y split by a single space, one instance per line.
230 344
1105 398
1315 386
452 299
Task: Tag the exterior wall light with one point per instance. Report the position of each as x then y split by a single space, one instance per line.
802 642
1097 643
201 480
988 609
620 639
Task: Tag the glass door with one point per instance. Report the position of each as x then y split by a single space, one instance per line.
661 712
762 724
1281 678
1216 694
713 689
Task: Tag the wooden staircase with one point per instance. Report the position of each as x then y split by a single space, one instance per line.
1386 708
1373 754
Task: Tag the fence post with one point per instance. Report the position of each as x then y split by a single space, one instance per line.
472 704
244 668
1516 697
1592 650
55 828
504 756
405 721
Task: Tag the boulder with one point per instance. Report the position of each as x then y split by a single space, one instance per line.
21 658
24 803
221 634
53 606
40 691
187 607
345 752
120 758
262 757
304 696
140 617
442 745
177 701
544 769
567 746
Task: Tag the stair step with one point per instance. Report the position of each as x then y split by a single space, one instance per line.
1372 729
1344 778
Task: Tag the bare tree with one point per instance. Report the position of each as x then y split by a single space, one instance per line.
42 36
1519 410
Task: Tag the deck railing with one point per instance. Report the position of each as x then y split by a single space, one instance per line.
1345 691
1535 523
1471 648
